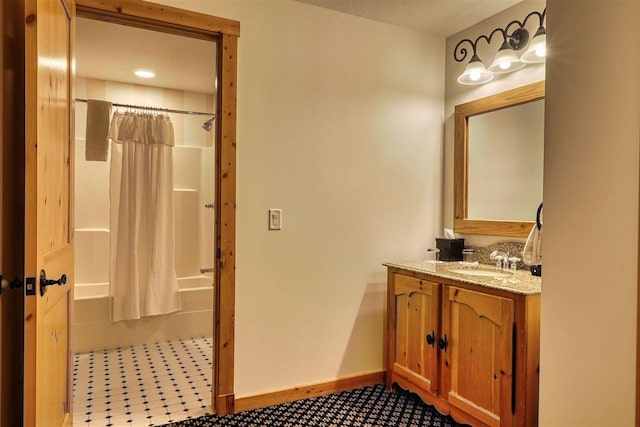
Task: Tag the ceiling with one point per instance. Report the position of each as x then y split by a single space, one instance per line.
111 51
438 17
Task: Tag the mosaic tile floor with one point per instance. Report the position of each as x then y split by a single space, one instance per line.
147 385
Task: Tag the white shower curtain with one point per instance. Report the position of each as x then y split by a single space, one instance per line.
142 275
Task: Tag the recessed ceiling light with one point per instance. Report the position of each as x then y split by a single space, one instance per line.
145 74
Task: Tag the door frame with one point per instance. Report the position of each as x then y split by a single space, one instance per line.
172 20
12 161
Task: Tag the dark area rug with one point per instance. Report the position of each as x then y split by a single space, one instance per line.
371 406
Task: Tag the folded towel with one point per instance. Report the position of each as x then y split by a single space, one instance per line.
98 115
532 253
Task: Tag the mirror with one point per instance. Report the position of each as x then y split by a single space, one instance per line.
498 162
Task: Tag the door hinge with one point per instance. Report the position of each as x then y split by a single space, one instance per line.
219 253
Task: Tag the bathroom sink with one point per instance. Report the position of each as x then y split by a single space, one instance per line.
483 273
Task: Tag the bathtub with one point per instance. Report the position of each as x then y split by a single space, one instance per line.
93 329
85 291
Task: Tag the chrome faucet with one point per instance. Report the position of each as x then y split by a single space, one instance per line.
501 259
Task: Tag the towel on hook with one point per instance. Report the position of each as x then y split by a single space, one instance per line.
96 143
532 253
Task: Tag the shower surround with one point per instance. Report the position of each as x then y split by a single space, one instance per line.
193 189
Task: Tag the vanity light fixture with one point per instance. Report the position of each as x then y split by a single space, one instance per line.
506 59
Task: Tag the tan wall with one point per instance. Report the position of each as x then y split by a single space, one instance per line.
457 94
340 125
591 215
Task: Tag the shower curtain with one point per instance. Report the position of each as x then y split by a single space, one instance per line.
142 267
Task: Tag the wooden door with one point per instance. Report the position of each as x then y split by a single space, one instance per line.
48 211
417 314
477 361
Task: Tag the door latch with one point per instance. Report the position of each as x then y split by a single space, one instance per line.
30 286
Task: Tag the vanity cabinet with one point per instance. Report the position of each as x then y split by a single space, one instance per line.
471 352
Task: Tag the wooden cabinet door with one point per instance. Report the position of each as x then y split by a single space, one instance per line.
49 29
417 313
477 362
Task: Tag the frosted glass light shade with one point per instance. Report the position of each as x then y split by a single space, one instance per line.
506 60
475 73
537 49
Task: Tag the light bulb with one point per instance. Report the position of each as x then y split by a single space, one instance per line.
474 73
537 48
505 60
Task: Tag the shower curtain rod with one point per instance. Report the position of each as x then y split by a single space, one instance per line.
165 110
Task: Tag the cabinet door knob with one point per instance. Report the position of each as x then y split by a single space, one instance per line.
431 339
443 343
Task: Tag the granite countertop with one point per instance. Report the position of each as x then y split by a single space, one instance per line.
518 282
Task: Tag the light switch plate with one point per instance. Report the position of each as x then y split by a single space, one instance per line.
275 219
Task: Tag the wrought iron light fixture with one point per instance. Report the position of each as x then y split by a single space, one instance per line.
506 59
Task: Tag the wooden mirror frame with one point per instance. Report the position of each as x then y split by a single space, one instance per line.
461 223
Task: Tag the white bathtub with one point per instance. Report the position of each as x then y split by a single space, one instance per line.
101 290
94 331
92 328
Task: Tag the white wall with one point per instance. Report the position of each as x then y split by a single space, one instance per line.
192 172
340 125
458 94
591 214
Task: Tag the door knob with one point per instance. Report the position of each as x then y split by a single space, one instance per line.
431 339
443 343
44 282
